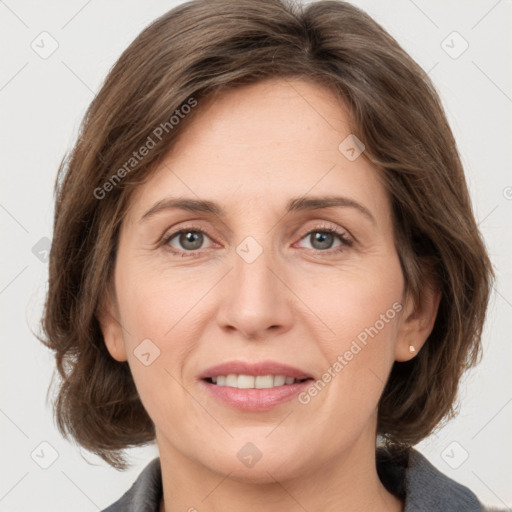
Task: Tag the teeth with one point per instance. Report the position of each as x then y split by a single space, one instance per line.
245 382
264 382
252 382
231 381
279 380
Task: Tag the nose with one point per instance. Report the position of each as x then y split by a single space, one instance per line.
257 302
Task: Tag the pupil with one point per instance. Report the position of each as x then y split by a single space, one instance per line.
321 240
191 240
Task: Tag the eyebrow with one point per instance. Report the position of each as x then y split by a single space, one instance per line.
294 205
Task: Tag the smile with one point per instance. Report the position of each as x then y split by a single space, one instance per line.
253 382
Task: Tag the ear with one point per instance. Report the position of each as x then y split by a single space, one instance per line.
111 328
417 322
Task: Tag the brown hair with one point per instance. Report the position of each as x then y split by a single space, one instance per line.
188 55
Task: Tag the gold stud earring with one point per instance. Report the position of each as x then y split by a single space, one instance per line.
412 350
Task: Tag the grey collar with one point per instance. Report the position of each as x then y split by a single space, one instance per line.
422 486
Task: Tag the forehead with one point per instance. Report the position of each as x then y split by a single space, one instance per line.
261 145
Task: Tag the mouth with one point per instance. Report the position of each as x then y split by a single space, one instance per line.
242 381
254 386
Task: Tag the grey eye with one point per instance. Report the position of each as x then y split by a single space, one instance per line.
188 240
321 240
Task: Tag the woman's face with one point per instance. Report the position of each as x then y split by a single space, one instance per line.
289 269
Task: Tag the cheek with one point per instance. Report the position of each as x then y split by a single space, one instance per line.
155 303
349 300
361 308
161 318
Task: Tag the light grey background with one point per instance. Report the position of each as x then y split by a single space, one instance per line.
43 100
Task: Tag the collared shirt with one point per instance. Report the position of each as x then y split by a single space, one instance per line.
412 477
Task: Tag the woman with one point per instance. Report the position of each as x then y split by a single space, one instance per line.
265 259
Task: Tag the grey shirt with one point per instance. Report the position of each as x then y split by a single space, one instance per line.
411 476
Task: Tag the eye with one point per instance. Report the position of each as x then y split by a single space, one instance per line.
190 241
326 238
186 240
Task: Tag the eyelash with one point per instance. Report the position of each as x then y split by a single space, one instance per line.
345 241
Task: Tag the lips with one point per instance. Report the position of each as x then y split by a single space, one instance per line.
255 369
253 387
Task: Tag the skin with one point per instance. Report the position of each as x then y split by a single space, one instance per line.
251 151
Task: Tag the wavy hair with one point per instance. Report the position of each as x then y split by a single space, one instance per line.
193 52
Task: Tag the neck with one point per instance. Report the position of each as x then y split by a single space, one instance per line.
345 482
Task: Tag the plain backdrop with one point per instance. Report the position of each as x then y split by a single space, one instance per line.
465 46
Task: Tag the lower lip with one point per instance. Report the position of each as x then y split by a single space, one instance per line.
255 399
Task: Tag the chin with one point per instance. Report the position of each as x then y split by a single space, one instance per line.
263 472
261 461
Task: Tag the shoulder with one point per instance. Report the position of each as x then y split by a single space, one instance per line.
145 494
422 486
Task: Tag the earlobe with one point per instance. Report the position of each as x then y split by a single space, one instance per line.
416 324
112 331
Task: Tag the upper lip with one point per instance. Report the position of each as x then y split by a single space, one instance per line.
256 368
